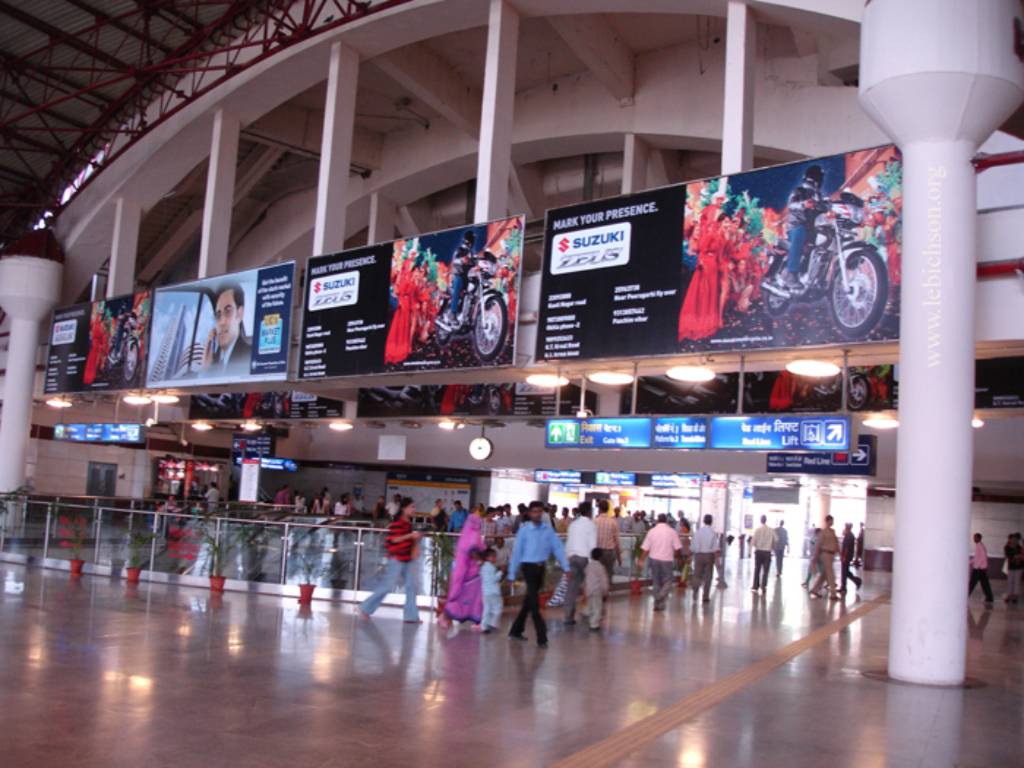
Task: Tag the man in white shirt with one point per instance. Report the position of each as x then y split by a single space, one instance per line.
704 545
212 498
763 542
581 541
661 549
393 506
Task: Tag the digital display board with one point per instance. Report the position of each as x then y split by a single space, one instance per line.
767 433
252 444
222 330
439 301
100 433
668 480
273 463
615 478
564 476
680 432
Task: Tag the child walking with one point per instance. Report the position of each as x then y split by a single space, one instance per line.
490 578
596 587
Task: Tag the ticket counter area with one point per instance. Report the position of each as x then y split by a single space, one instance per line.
185 478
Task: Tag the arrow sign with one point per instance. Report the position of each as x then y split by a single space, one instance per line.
860 456
836 433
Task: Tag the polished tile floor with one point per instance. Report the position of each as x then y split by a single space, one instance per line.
92 674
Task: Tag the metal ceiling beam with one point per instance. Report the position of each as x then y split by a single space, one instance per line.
117 24
93 51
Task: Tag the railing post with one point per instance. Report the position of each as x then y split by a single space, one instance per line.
152 542
216 542
97 525
284 554
46 534
359 559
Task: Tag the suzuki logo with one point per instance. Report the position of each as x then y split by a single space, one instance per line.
594 248
563 244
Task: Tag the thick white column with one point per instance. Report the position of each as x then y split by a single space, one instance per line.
635 153
494 161
938 93
220 195
336 150
738 111
383 215
29 290
123 247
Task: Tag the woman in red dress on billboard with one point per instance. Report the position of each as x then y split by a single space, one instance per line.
99 342
399 342
700 316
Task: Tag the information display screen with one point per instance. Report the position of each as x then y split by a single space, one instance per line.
564 476
664 480
747 261
439 301
100 433
615 478
99 345
223 330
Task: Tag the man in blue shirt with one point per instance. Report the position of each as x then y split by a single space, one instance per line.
535 543
458 518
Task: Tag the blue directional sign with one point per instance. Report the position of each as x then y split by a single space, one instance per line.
780 433
628 432
680 432
615 478
100 433
859 462
666 480
273 462
563 433
563 476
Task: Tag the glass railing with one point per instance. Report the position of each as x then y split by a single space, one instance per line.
253 551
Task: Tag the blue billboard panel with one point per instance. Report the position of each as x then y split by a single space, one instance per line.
780 433
615 478
565 476
598 433
859 462
100 433
680 432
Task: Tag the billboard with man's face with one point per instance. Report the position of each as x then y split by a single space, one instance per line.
222 330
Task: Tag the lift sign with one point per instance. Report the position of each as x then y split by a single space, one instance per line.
780 433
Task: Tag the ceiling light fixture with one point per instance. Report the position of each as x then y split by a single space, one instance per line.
59 402
977 423
202 426
881 421
342 426
546 380
611 378
251 426
813 369
692 373
137 399
447 424
164 399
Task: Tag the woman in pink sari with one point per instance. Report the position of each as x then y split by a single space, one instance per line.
465 595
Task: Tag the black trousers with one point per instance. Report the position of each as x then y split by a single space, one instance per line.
847 575
533 575
979 574
762 564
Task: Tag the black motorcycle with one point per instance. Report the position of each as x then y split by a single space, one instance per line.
124 352
483 315
849 271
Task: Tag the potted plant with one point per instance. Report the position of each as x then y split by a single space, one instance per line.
217 548
310 559
73 530
635 584
442 554
139 542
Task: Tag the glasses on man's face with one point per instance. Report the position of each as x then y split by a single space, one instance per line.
227 312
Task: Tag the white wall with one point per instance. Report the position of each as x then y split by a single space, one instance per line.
61 468
993 520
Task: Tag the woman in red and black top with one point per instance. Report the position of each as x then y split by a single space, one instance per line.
400 543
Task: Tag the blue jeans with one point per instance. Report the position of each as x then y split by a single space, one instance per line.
458 285
397 569
492 610
797 243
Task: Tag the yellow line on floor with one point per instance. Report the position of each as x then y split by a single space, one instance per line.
631 738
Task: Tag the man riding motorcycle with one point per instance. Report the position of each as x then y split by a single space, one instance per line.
462 261
805 202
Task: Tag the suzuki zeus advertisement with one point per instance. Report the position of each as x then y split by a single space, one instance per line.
801 254
441 301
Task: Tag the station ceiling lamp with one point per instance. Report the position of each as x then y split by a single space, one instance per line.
164 399
977 423
447 424
692 373
813 369
139 399
881 421
611 378
59 402
546 380
251 426
342 426
202 426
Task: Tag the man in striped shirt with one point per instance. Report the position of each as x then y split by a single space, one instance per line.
607 538
400 545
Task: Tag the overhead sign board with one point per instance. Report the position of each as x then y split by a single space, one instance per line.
100 433
615 478
563 476
680 432
626 432
860 461
780 433
666 480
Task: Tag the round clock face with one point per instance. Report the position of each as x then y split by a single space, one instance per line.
481 448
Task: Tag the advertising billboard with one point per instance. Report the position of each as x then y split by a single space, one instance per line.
222 330
518 399
801 254
99 345
264 405
440 301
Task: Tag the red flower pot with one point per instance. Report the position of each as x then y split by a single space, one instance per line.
133 575
76 567
216 583
306 593
635 587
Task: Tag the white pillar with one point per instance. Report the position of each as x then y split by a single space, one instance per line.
123 247
635 152
220 195
494 161
29 290
383 214
336 150
938 93
738 110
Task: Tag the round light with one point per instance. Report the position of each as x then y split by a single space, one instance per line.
693 373
137 399
251 426
611 378
59 402
546 380
881 421
202 426
341 426
447 424
164 399
977 423
814 369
